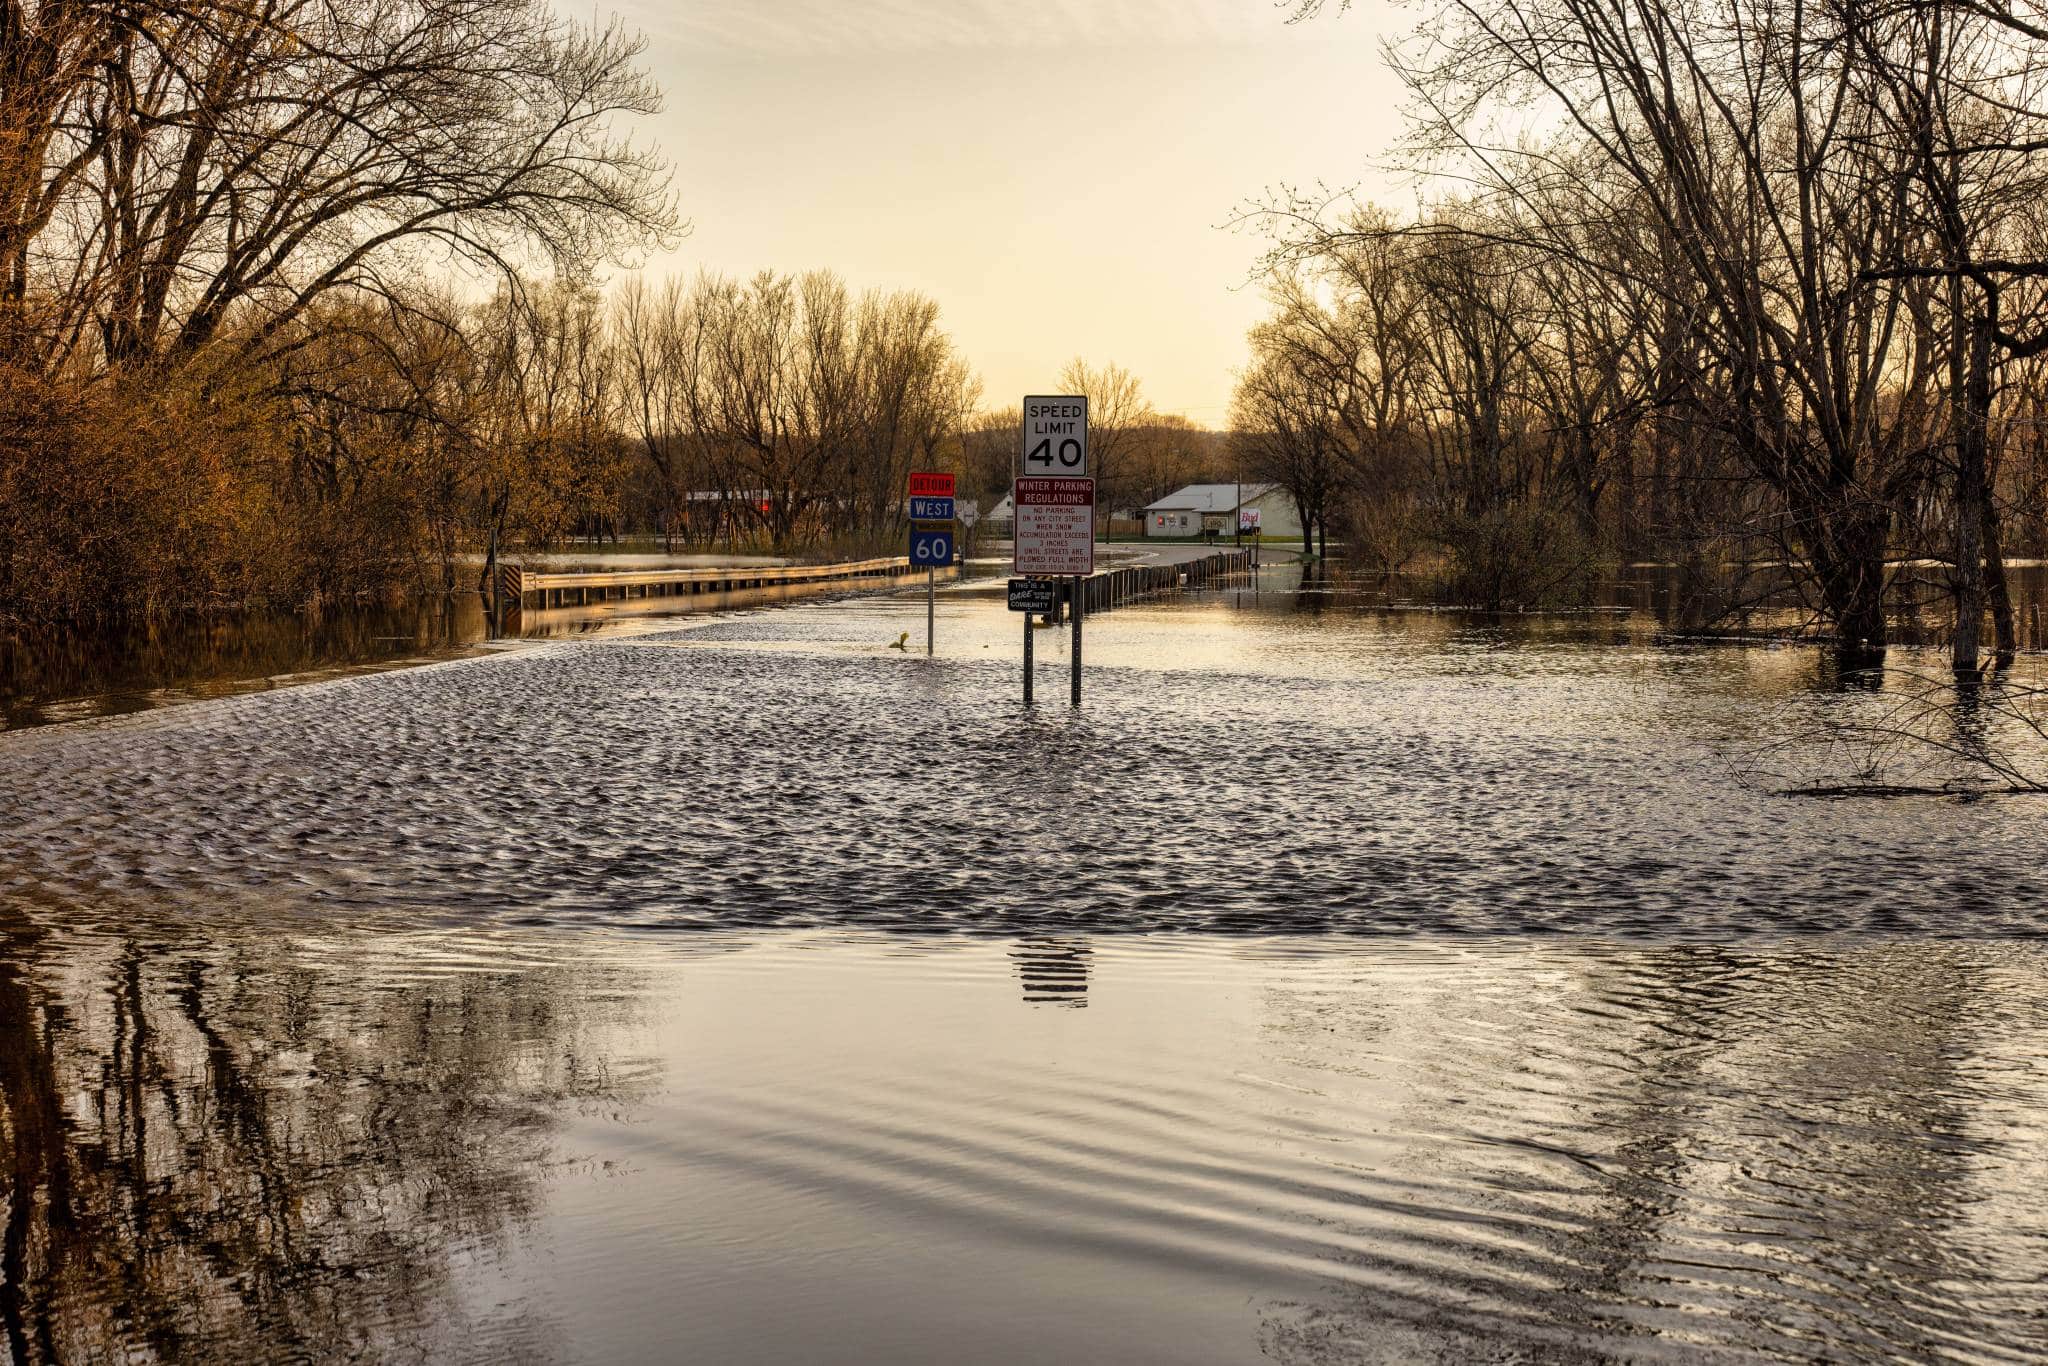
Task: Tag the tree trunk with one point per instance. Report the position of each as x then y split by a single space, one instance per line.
1849 563
2005 623
1970 388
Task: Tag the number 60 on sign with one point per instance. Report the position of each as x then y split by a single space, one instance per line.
1056 434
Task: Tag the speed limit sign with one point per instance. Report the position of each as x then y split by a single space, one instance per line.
1056 435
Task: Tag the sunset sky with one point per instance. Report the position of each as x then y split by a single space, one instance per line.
1053 172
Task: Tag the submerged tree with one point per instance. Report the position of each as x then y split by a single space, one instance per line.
1771 249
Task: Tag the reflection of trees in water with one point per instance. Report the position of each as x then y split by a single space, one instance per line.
1053 969
1316 588
1798 1114
1916 733
208 1157
37 665
1760 1149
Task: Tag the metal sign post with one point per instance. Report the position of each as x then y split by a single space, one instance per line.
931 549
1078 583
1032 597
1055 535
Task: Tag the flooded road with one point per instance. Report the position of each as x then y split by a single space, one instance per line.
50 675
1335 986
807 1147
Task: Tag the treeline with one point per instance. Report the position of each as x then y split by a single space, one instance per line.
1136 454
229 369
1737 285
298 303
786 407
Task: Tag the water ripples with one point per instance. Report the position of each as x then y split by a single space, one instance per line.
1325 992
775 1145
700 779
1630 1152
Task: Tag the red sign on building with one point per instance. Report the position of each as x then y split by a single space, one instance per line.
931 486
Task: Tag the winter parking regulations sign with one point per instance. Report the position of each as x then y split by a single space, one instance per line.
1055 528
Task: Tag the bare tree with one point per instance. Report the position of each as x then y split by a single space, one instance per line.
1956 100
988 445
1738 125
652 333
1116 411
1169 453
227 236
1285 429
555 461
201 161
799 405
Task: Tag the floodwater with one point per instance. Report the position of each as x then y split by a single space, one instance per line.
1337 985
51 675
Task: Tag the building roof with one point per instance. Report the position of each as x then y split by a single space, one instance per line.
1210 497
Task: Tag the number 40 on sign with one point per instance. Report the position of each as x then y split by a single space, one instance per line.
1056 434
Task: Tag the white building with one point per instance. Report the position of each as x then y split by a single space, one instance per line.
1201 508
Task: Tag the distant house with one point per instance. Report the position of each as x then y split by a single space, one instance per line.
1200 508
999 517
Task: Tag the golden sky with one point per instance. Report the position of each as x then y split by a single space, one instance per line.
1052 172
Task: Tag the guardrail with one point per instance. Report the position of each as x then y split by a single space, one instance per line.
1112 588
541 590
